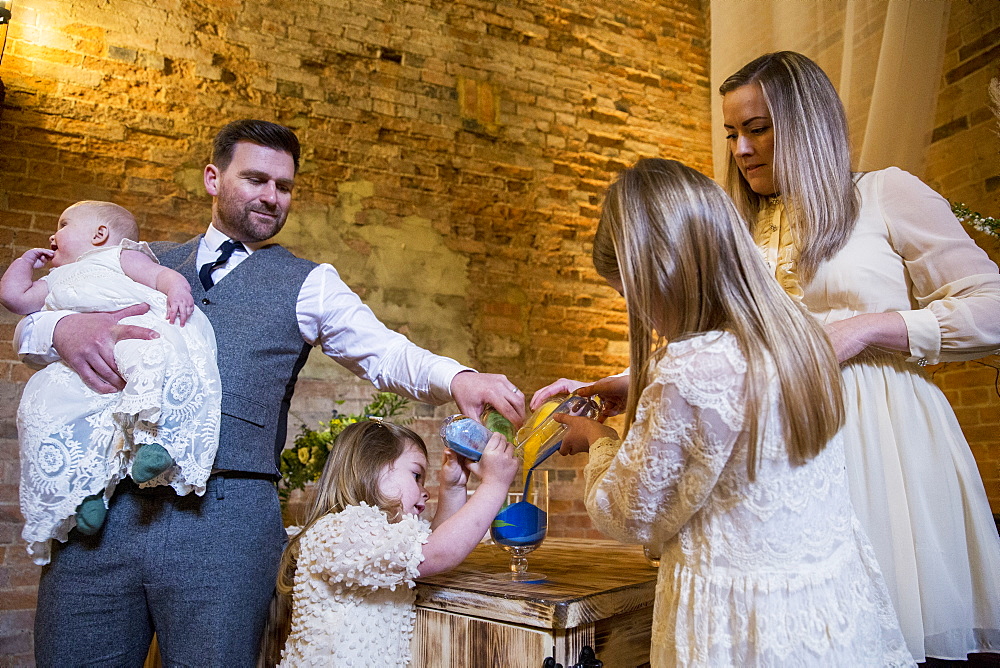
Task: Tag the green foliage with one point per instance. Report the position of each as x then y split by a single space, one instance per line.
974 219
304 461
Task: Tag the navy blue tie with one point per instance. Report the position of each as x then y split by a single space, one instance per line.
205 273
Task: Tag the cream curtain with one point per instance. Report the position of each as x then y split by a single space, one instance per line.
883 56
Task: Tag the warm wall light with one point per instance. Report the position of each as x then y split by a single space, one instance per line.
5 7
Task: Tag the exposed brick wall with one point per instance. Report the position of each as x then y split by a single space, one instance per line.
436 135
495 126
964 165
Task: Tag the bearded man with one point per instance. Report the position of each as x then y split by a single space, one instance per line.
200 571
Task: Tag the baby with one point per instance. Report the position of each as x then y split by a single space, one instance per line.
162 428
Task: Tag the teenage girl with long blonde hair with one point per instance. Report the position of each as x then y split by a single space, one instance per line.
730 465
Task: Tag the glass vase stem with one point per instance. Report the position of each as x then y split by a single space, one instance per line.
518 563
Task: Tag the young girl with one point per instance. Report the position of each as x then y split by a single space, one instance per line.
350 570
163 428
730 466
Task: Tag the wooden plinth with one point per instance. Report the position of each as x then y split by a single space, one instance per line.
596 593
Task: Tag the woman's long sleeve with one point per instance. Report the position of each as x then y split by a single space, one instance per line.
955 287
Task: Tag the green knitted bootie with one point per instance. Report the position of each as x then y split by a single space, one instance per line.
150 461
90 514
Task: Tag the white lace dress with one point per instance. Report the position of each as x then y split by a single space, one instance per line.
76 442
775 572
913 480
353 602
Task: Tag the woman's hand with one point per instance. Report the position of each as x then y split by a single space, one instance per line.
582 433
561 386
852 336
612 390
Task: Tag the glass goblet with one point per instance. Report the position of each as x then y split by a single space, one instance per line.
521 524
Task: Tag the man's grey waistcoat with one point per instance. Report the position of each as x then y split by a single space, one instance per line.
261 350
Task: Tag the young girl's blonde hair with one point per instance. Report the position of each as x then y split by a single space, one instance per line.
812 155
360 454
675 243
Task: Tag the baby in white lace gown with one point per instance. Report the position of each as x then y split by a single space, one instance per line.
350 571
731 467
162 428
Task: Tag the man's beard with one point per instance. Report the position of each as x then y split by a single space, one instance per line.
237 218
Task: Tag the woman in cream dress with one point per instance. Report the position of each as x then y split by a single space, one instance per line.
882 262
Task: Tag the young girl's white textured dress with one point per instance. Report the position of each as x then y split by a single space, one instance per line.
76 442
353 602
770 572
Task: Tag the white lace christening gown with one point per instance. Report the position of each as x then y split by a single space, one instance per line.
353 602
774 572
76 442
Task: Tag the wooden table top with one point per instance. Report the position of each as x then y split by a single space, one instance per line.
585 581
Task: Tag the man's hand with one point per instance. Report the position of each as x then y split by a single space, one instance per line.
473 391
582 433
86 342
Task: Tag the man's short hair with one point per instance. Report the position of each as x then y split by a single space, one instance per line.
264 133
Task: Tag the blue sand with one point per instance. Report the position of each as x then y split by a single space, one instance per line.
465 451
520 524
541 458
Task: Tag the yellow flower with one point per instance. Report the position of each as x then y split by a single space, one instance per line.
304 461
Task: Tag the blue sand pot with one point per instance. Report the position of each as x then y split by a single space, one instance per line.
465 436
